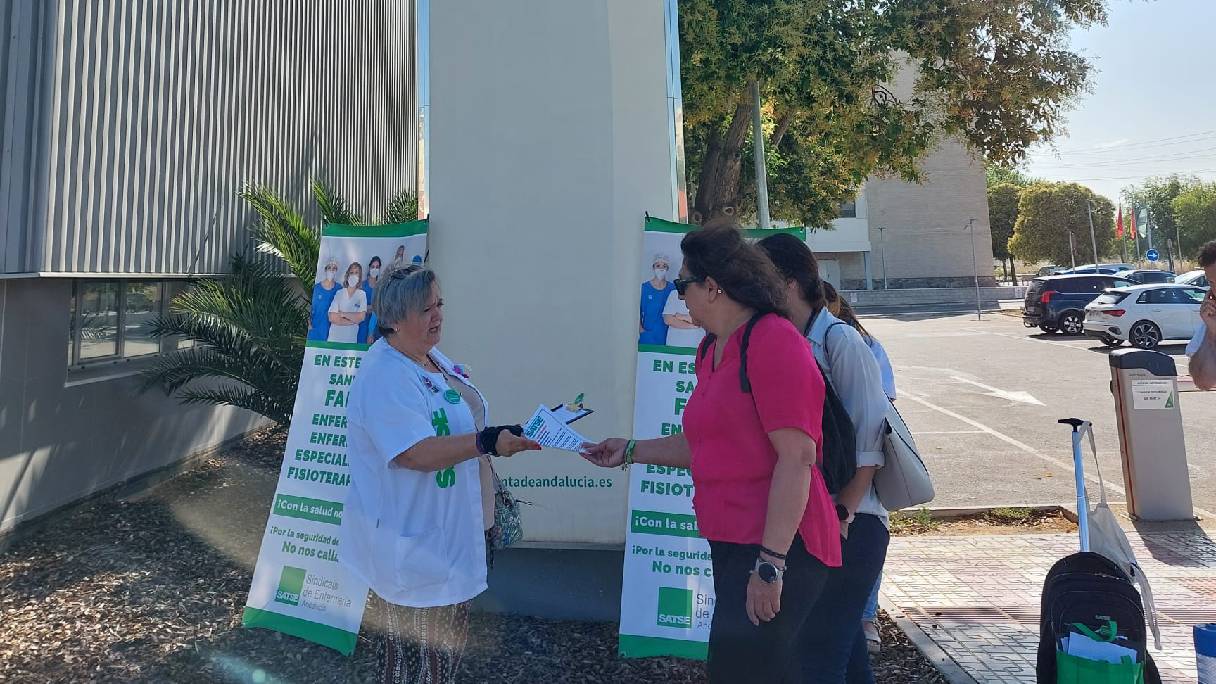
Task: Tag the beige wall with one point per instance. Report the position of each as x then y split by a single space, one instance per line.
927 243
548 146
59 443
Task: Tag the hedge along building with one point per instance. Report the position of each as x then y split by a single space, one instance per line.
128 130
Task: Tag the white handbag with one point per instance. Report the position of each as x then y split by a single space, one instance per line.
903 481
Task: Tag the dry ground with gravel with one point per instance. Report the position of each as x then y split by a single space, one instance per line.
149 588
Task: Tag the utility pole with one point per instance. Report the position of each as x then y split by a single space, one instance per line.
979 316
882 253
1072 251
1092 238
758 153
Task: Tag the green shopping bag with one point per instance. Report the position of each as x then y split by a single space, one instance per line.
1075 670
1071 669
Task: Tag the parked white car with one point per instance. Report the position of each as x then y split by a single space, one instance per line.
1195 278
1144 315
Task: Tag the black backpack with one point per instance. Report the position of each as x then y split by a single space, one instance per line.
839 438
1090 589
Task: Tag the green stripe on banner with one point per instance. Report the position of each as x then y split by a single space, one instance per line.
664 349
760 233
665 524
655 225
340 640
388 230
316 510
630 646
340 346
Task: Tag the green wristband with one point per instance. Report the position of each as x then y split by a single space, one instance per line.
629 447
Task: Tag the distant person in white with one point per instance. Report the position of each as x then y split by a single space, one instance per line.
349 307
1202 348
681 331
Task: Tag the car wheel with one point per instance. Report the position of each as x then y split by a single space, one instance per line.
1145 335
1110 341
1049 329
1071 323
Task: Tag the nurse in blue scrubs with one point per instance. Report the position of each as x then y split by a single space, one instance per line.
654 296
369 289
322 298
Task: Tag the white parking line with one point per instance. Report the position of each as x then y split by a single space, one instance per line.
949 432
1066 466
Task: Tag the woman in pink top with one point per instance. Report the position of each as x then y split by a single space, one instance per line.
751 438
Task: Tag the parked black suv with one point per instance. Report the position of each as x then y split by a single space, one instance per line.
1057 303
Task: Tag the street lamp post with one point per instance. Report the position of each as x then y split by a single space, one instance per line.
1092 236
975 267
882 253
1072 251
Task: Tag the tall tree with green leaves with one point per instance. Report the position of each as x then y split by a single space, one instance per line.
1049 212
996 74
1002 216
1157 194
1194 211
1011 175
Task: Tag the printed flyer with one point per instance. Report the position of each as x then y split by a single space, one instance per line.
298 586
668 598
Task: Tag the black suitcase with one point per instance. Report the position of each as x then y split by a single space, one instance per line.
1090 589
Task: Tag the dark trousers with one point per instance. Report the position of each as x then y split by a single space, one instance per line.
833 646
740 651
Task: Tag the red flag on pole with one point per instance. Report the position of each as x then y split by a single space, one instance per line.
1132 216
1119 224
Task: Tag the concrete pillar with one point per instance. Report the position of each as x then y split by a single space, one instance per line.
549 141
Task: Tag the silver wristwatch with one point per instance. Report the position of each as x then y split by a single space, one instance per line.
767 572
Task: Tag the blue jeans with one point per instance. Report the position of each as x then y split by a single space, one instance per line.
833 646
870 614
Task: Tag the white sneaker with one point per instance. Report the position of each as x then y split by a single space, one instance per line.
873 638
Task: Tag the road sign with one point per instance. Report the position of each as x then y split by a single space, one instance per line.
1152 255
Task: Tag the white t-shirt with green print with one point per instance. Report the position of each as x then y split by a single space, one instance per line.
416 538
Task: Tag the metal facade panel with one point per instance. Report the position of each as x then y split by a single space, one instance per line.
26 41
161 111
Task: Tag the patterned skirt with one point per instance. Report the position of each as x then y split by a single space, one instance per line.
424 645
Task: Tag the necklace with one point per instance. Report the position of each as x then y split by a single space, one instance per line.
425 362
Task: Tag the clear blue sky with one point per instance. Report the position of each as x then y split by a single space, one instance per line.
1152 109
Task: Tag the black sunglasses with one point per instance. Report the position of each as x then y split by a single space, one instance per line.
683 283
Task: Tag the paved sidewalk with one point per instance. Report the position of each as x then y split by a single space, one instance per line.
977 597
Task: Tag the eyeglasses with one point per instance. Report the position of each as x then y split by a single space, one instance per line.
683 283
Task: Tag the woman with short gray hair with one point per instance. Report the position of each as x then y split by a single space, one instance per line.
420 511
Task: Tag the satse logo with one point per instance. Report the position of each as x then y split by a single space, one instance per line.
291 584
675 608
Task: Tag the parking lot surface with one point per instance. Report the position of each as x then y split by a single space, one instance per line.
983 398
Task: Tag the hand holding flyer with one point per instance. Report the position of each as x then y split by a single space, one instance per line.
551 431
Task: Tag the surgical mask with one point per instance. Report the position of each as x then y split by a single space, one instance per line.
660 273
374 272
352 280
331 273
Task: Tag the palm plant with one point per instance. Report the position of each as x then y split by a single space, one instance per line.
249 327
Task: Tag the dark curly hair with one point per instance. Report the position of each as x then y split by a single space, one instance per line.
1207 254
795 261
741 269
